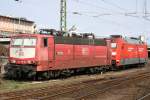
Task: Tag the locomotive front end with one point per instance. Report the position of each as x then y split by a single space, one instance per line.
22 57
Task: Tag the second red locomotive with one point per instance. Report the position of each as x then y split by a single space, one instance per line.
128 51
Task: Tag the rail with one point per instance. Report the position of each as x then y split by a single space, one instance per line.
100 89
47 93
144 97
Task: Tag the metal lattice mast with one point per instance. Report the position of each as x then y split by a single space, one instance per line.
63 15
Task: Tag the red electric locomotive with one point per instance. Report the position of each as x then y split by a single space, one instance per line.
52 56
128 51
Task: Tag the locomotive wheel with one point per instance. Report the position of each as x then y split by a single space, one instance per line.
97 69
114 68
56 74
45 75
66 73
50 74
18 74
10 74
142 65
92 71
39 76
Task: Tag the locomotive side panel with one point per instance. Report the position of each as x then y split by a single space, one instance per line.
78 56
86 56
77 53
83 55
129 54
100 55
143 53
63 56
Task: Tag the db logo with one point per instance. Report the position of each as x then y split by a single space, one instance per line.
19 52
85 51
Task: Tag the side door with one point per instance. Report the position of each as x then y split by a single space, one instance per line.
123 54
51 55
109 51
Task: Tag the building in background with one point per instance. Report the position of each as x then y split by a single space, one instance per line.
10 26
13 25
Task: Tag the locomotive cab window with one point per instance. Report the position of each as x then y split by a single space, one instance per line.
113 45
45 42
23 41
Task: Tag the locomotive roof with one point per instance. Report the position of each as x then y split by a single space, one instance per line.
133 40
80 41
31 35
44 35
69 40
130 40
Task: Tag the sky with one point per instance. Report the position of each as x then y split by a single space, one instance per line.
102 17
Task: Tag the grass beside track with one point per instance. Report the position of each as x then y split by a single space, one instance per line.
12 85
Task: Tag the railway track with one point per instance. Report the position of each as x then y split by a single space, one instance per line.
145 97
113 85
40 91
32 92
48 93
98 88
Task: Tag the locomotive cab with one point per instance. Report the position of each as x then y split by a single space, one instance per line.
27 53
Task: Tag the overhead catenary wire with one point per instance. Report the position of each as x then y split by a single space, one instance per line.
111 12
104 14
136 6
98 14
108 21
134 14
128 13
115 5
145 12
145 8
94 5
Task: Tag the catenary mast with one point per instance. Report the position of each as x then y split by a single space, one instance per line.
63 16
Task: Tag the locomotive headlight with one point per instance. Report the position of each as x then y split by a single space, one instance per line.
117 60
29 62
114 53
13 61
